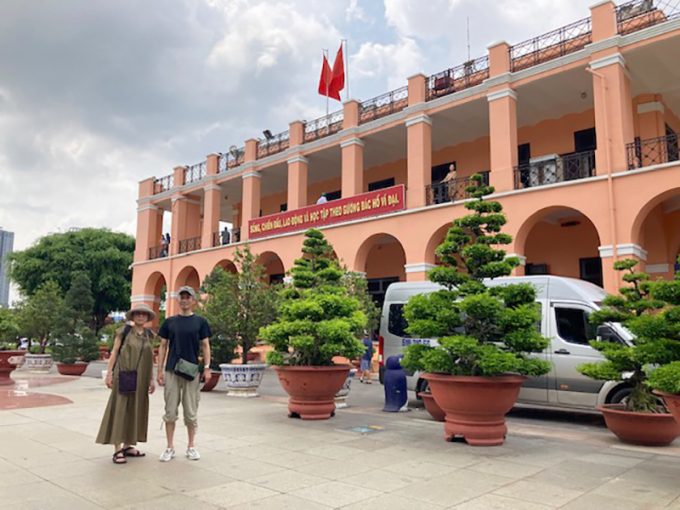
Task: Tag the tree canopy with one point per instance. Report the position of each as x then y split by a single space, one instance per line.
104 256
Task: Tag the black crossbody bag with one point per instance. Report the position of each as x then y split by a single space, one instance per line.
127 379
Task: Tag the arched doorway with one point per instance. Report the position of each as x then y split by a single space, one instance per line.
658 233
273 266
156 292
226 265
435 240
561 241
382 258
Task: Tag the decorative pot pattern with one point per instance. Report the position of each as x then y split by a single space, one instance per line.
312 389
242 380
38 363
646 429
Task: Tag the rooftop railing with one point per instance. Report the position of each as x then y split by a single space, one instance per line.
163 184
466 75
323 126
638 14
193 173
552 45
278 143
231 159
383 105
653 151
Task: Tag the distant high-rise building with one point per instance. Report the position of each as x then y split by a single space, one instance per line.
6 246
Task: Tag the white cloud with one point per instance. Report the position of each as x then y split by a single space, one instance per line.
355 12
393 62
427 20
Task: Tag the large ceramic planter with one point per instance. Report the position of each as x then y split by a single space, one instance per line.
475 407
672 403
343 393
431 406
77 368
38 363
646 429
242 380
9 360
214 379
312 389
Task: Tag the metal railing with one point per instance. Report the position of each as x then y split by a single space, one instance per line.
638 14
163 184
323 126
383 105
158 252
230 159
464 76
278 143
193 173
451 191
653 151
191 244
552 45
542 171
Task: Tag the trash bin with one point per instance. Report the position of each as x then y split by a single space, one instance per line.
396 393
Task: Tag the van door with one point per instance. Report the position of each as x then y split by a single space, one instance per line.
535 389
570 334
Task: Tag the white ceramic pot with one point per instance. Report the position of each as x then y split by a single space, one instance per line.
242 380
341 396
38 363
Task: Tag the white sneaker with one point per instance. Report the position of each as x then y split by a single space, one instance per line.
167 455
192 454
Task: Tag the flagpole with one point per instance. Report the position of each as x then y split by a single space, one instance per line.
327 85
346 69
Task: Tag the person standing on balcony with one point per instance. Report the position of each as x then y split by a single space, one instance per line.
164 247
450 180
181 338
322 199
225 236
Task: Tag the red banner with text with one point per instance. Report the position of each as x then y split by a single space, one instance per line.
374 203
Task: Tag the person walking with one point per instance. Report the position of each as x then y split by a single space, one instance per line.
365 367
181 338
129 375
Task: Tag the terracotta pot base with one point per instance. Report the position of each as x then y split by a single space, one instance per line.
76 369
431 406
312 390
646 429
9 360
672 403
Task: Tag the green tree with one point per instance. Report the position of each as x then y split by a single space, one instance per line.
43 316
357 287
103 255
482 331
79 300
317 317
9 328
237 305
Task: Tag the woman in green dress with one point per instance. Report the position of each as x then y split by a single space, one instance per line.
126 419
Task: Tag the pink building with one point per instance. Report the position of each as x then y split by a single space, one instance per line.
576 130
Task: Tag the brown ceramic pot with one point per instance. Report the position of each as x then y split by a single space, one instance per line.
672 403
77 368
212 382
475 407
646 429
9 360
431 406
312 389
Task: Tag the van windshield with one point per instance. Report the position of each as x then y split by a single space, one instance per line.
396 323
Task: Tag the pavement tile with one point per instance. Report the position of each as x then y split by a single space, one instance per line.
335 494
333 469
648 489
577 475
380 479
392 502
231 494
503 468
602 502
241 468
496 502
280 502
287 480
539 492
171 502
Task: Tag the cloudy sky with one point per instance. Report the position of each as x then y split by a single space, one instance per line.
96 95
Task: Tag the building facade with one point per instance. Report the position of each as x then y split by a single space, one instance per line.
6 247
575 129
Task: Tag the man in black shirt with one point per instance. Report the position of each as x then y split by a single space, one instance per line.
181 337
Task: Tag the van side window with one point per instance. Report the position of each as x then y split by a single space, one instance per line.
396 323
573 325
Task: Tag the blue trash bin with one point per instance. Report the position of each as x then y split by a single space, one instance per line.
396 393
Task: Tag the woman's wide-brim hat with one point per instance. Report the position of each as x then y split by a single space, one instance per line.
140 309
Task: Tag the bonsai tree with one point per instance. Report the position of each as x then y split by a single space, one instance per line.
79 344
43 314
318 318
9 329
656 329
237 306
481 331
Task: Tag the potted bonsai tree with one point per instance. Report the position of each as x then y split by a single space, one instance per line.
237 306
10 356
485 334
317 321
641 418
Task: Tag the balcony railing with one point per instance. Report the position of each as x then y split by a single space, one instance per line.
191 244
383 105
552 169
451 191
157 252
231 159
163 184
552 45
639 14
222 238
278 143
323 126
464 76
653 151
195 172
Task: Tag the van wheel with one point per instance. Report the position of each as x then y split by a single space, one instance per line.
422 385
620 395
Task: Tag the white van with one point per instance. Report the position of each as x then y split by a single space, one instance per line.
565 306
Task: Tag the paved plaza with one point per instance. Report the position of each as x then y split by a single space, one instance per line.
253 456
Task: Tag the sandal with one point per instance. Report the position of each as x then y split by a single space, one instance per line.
119 457
131 451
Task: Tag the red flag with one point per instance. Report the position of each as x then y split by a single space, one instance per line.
325 79
338 78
